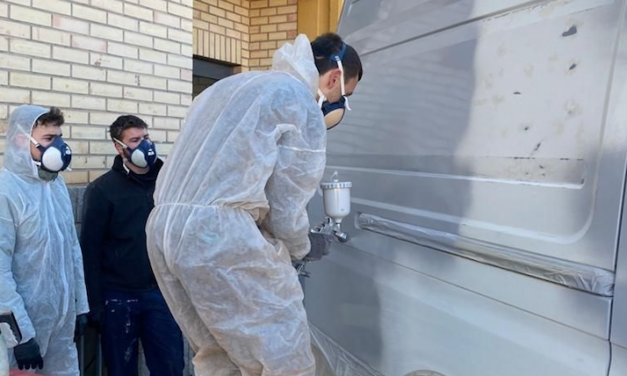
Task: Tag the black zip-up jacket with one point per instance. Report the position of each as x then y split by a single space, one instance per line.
113 236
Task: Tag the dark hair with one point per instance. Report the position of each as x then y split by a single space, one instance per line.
123 123
329 44
54 118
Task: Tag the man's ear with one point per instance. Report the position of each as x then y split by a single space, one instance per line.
118 148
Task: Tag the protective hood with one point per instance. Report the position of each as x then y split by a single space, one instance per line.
297 59
17 157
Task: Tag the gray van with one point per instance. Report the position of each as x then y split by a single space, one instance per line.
487 147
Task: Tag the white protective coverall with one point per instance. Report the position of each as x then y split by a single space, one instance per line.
230 214
41 266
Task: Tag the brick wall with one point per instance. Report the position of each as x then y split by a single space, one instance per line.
243 32
272 23
97 59
221 30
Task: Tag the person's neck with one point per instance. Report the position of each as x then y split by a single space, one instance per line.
135 169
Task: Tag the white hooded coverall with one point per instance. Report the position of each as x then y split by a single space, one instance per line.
41 265
230 215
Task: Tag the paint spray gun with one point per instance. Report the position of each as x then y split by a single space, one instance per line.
7 321
336 196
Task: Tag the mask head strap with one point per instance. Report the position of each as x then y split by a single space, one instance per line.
338 59
122 144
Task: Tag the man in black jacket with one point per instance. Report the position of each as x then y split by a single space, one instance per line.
126 304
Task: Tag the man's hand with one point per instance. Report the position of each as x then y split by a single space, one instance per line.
320 245
81 326
28 355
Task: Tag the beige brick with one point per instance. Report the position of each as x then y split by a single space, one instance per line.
122 106
69 54
173 135
177 111
50 99
180 36
220 13
138 12
226 6
4 78
165 149
110 5
268 28
152 109
4 43
186 74
103 118
259 4
138 94
123 22
153 82
88 133
29 81
167 19
78 147
76 117
105 90
241 11
106 61
180 61
167 46
70 86
31 16
233 34
241 28
186 99
287 9
51 36
89 73
201 7
148 28
138 39
179 10
234 17
187 51
137 66
226 23
187 25
268 46
54 6
259 37
88 102
153 56
26 47
14 29
89 13
277 3
123 78
268 12
277 36
75 177
10 95
155 4
254 13
266 62
165 97
167 123
288 26
277 19
180 86
122 50
70 24
258 54
51 67
259 21
210 18
4 10
106 32
165 71
87 43
103 147
88 162
158 136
